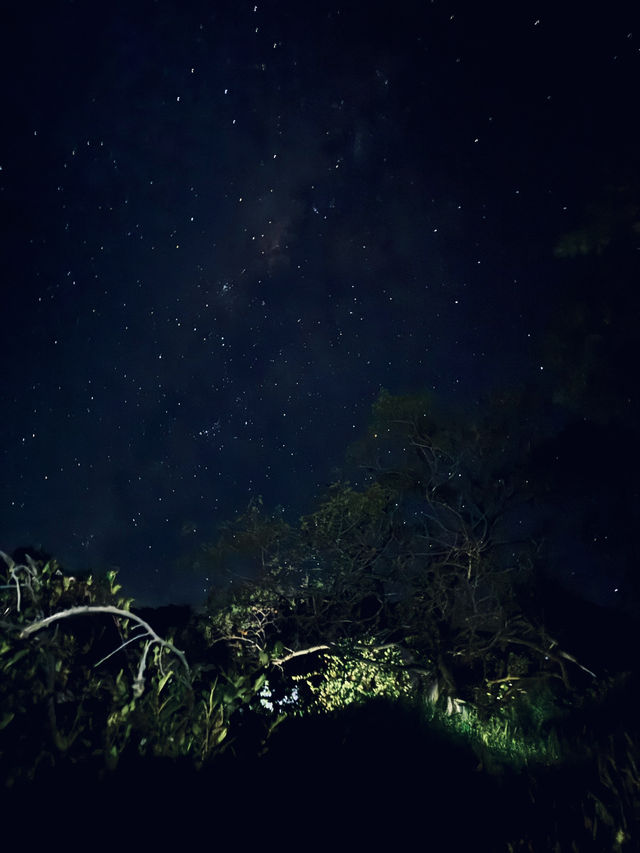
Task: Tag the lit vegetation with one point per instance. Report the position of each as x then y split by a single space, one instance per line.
405 590
355 674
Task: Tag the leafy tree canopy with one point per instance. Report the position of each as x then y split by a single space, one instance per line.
425 556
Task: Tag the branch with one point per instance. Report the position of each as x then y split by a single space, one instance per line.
309 651
523 678
107 608
547 653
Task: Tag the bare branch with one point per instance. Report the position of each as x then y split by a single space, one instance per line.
107 608
309 651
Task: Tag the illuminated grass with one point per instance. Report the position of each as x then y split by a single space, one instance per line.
497 739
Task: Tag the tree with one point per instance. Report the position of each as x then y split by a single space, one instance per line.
590 360
424 557
461 562
590 346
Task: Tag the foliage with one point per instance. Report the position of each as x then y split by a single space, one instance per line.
54 673
499 740
590 345
411 585
353 674
49 679
423 555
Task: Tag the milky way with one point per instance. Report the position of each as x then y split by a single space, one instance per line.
227 228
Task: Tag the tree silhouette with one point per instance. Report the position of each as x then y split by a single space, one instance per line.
426 556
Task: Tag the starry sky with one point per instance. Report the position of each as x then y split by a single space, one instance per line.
227 225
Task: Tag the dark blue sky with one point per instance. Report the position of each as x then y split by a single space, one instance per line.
227 225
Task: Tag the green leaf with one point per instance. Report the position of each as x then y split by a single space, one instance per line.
164 680
6 719
15 658
111 577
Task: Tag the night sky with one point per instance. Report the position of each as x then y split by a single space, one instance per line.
227 225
